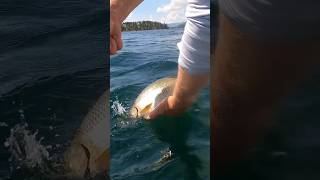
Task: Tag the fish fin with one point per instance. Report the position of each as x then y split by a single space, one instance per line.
165 93
146 109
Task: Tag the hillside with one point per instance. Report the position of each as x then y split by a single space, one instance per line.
143 25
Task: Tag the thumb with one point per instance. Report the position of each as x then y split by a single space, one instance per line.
160 109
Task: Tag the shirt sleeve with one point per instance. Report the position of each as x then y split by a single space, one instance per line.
194 47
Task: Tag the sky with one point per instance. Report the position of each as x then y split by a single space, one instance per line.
164 11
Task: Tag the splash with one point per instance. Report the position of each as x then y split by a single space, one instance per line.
120 114
126 124
28 152
25 148
118 108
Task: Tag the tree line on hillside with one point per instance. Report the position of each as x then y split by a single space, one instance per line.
143 25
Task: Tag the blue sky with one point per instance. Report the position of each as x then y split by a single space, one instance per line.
169 11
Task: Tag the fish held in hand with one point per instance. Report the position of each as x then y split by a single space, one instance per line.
151 96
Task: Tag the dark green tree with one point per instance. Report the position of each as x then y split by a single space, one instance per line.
143 25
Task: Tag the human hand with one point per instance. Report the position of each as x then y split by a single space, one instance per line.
119 10
115 32
170 107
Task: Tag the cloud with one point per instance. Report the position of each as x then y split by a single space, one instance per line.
174 10
174 5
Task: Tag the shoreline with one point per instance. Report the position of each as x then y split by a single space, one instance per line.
143 25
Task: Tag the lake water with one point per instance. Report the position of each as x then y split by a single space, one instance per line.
53 68
140 149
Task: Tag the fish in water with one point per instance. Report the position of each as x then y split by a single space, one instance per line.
151 96
88 154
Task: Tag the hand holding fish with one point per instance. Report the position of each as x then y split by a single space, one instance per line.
173 98
169 107
185 92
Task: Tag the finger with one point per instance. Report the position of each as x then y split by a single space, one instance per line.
119 41
113 46
159 110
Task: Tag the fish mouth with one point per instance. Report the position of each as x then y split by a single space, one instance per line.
134 113
87 152
89 166
137 112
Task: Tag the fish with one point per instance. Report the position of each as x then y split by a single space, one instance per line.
88 153
151 96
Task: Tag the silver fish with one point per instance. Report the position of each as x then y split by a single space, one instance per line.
88 154
151 96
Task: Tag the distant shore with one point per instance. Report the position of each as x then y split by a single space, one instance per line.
143 25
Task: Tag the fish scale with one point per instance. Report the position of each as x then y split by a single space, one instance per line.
89 150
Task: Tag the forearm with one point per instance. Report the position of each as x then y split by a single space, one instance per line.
122 8
187 88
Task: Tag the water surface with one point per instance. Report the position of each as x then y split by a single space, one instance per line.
53 68
167 148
